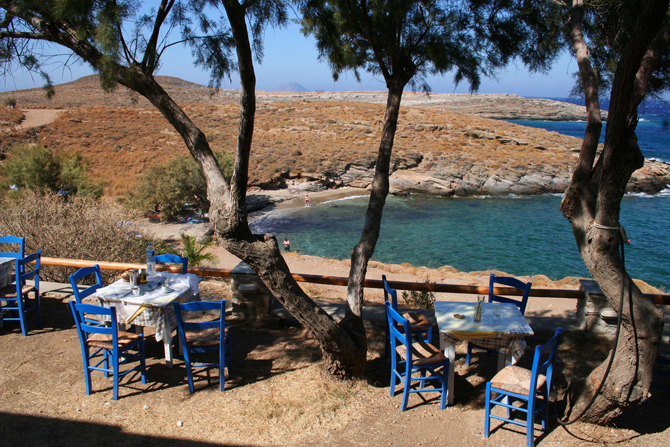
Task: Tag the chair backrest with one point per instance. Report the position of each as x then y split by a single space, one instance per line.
82 273
21 241
196 306
173 259
86 326
390 292
22 276
395 321
511 282
543 361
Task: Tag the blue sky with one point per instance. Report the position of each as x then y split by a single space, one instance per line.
291 57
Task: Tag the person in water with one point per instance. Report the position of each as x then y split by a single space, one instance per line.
287 245
308 201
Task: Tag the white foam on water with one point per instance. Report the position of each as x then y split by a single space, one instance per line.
343 199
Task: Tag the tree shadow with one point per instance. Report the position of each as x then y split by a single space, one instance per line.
23 430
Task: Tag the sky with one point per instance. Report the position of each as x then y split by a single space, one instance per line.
291 57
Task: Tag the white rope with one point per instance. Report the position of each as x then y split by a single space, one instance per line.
603 227
621 230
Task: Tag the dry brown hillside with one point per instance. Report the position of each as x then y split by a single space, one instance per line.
297 136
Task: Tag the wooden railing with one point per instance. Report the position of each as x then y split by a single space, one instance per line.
342 281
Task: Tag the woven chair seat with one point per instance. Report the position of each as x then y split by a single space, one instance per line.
516 380
105 340
422 353
10 291
206 337
417 321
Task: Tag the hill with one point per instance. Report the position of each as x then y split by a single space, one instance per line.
318 140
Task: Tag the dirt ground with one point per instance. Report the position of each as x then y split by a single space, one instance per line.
276 394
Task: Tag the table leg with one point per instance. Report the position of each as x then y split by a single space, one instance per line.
450 353
504 358
167 340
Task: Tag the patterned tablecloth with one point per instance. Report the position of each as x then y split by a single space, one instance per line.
154 306
506 336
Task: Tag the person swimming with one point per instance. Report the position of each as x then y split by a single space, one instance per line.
287 245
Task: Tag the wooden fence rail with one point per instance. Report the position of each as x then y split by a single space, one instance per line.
342 281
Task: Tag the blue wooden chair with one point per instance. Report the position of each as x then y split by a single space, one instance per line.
532 388
17 295
200 338
173 259
105 348
83 273
419 324
409 357
79 295
21 241
520 303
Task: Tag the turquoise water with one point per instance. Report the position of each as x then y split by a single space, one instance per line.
518 235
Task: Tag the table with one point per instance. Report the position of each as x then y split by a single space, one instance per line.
506 336
154 307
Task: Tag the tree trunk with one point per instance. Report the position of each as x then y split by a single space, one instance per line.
592 202
228 205
261 252
363 251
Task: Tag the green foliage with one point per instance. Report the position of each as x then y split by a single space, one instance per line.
405 40
419 300
35 167
172 185
78 228
10 102
194 250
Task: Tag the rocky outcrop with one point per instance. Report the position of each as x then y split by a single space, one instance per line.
442 178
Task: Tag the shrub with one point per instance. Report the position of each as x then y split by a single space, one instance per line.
36 167
419 300
79 228
169 187
10 103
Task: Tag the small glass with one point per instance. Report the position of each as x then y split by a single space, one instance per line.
496 314
136 290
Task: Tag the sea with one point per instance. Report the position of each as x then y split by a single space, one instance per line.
520 235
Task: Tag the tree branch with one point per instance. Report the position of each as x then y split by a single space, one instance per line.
22 35
594 123
151 55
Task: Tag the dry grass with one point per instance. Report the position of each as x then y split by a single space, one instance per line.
120 139
10 117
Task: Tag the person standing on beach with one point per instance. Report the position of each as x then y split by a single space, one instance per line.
287 245
308 201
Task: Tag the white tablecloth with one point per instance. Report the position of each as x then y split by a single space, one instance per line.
154 306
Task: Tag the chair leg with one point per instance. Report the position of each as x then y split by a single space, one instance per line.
189 372
394 377
445 386
487 411
530 423
408 382
22 316
468 354
143 362
115 361
87 372
38 309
